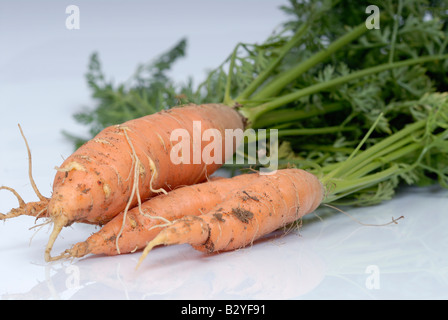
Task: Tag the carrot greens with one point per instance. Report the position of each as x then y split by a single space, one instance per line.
323 79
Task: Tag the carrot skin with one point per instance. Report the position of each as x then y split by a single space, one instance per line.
252 211
97 184
141 224
274 202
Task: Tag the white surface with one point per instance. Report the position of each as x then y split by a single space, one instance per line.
42 66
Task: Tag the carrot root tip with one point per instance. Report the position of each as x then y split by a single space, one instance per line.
64 255
14 212
31 209
19 198
59 223
158 240
79 250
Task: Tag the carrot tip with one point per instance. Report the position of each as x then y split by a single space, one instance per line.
64 255
59 223
12 214
79 250
22 203
158 240
30 170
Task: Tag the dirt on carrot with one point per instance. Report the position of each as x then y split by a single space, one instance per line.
243 215
239 220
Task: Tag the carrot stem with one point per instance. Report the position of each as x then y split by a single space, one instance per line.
227 98
271 118
262 77
373 151
282 80
359 171
254 113
346 187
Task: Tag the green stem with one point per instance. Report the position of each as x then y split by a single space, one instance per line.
261 78
361 180
365 137
282 80
371 152
332 149
341 188
298 132
254 113
227 98
313 131
280 116
399 147
386 155
395 30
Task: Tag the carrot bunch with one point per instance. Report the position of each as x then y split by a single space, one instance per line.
228 213
224 214
124 179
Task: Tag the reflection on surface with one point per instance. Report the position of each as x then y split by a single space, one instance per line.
180 272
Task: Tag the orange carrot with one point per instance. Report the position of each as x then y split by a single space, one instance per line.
126 163
252 211
37 209
143 223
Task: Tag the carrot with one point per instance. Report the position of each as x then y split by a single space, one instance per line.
37 209
126 163
131 231
252 211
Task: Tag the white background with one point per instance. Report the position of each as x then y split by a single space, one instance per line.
42 67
